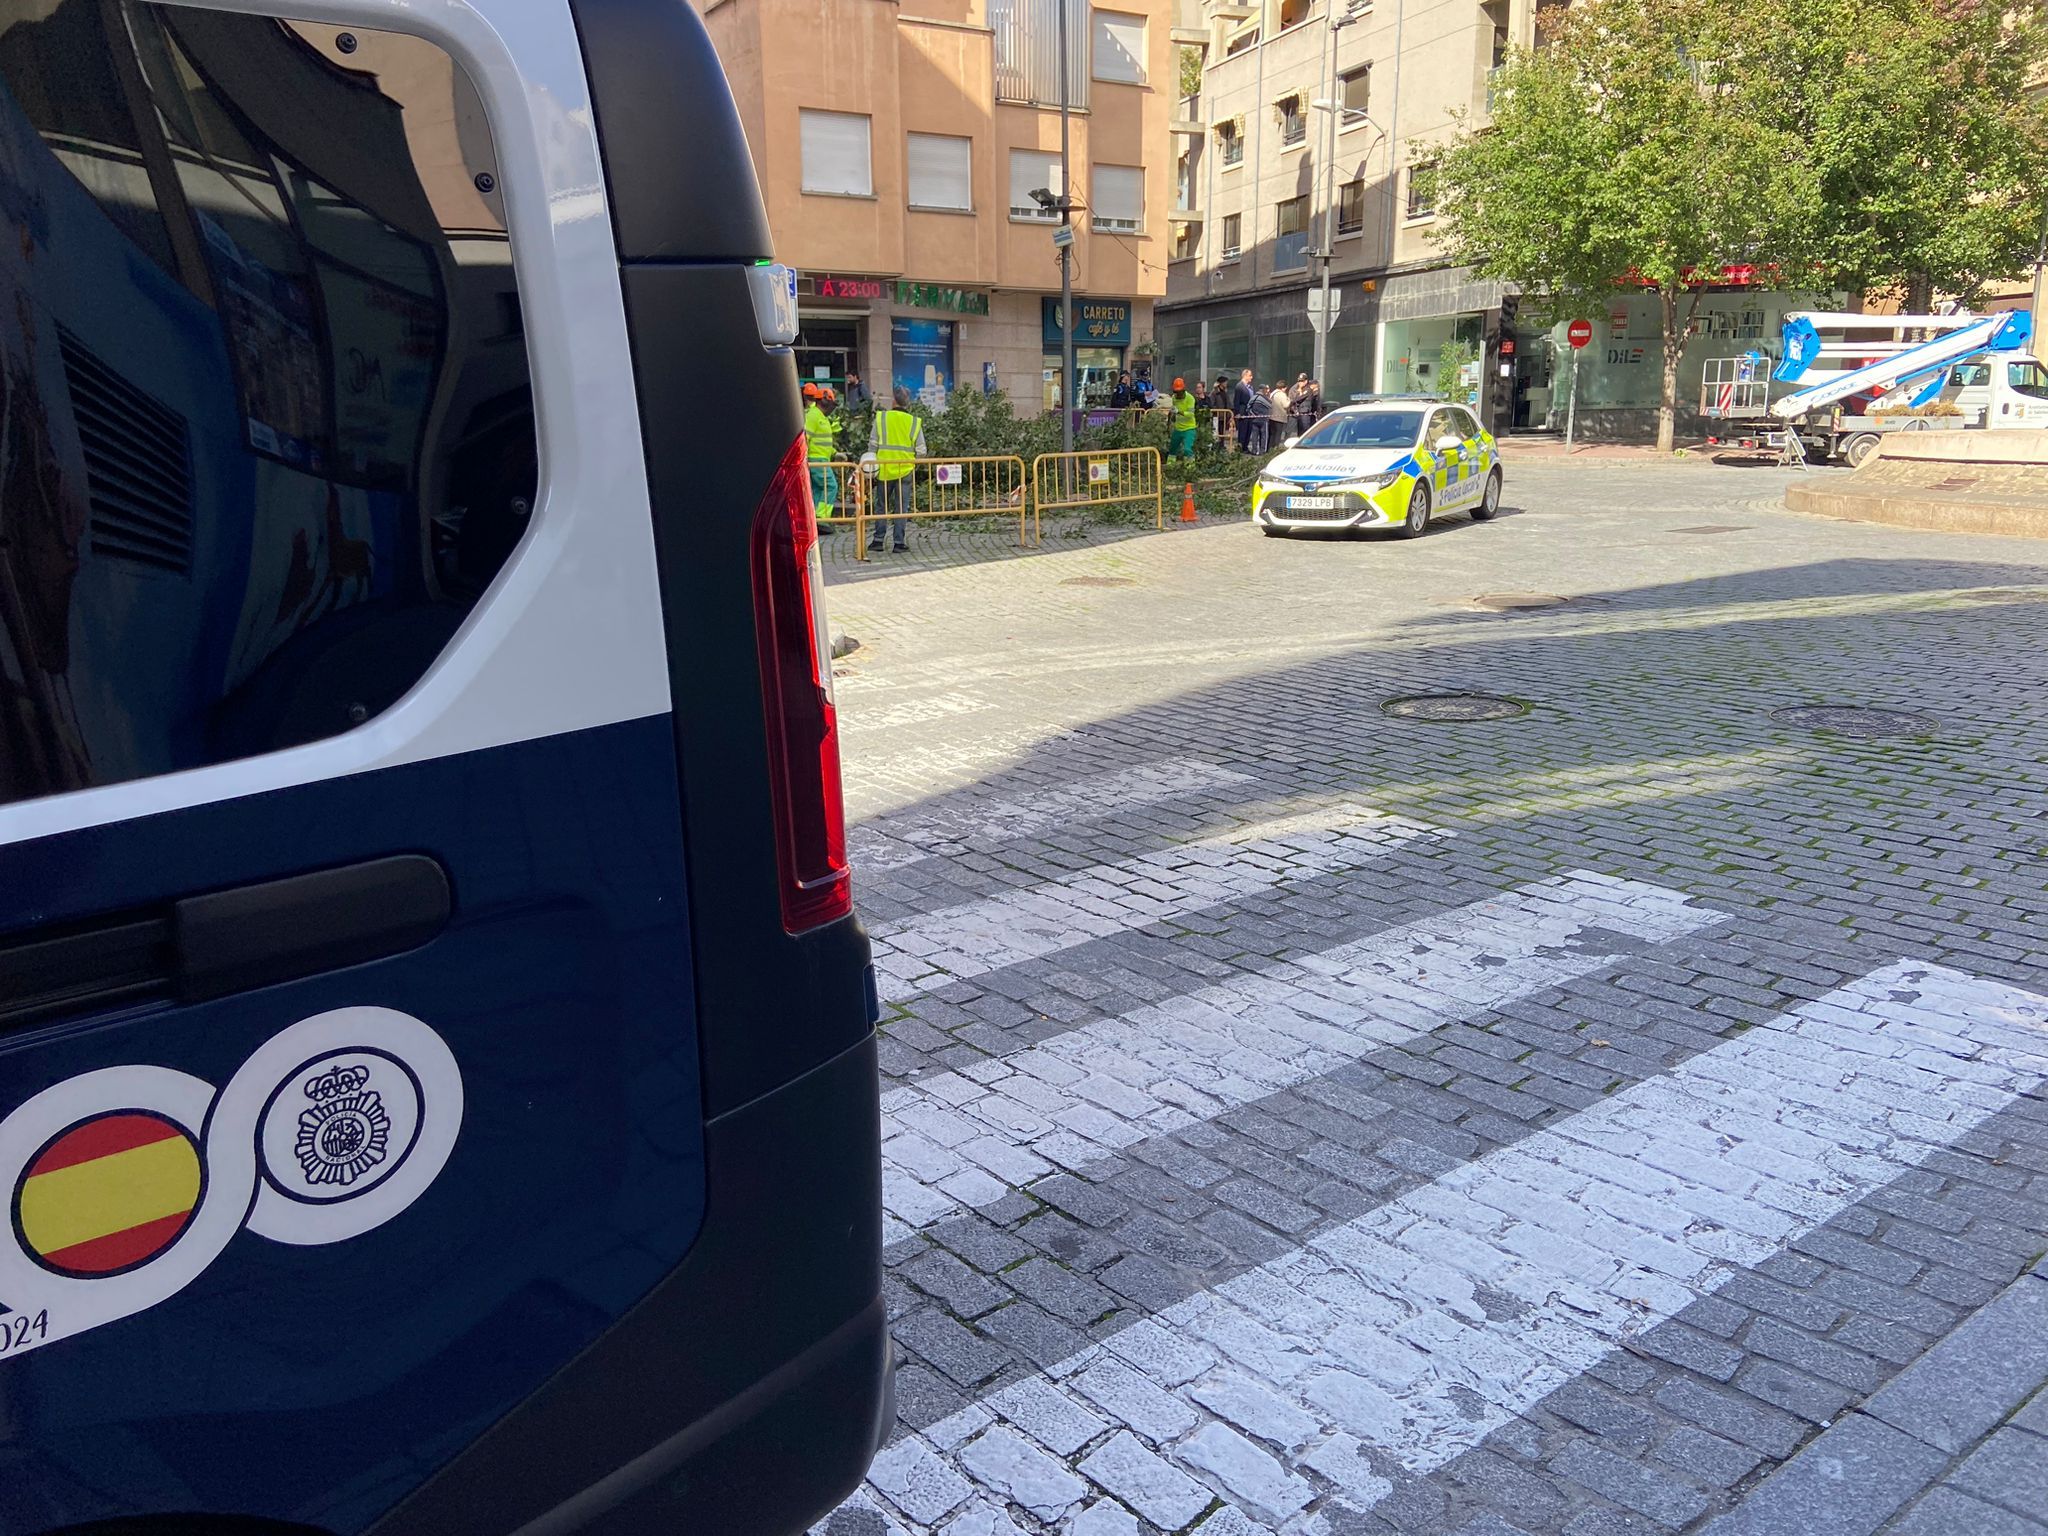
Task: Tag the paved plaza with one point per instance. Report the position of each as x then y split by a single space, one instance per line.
1540 1029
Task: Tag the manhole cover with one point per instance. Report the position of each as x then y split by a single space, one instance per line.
1714 528
1854 720
1515 602
1454 706
1098 581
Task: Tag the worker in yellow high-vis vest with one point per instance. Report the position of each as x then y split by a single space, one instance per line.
821 447
1180 442
899 443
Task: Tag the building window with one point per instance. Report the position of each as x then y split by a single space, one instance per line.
1290 247
1351 207
1233 234
1295 12
1231 141
1117 198
835 153
1422 190
1183 241
1355 92
1119 48
941 172
1184 182
1238 42
1031 170
1028 55
1293 122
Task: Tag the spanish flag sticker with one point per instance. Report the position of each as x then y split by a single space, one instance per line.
108 1194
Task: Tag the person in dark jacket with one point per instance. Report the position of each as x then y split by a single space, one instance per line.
1120 392
1243 403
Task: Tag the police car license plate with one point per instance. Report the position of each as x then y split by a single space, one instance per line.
1311 503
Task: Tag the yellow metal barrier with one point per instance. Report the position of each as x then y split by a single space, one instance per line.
851 489
991 485
1103 477
1222 425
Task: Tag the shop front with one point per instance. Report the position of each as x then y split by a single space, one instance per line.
889 330
834 313
1439 355
1102 343
1620 372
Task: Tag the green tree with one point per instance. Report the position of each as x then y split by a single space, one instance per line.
1926 147
1190 64
1627 153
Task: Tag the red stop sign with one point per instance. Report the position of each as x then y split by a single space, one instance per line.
1579 332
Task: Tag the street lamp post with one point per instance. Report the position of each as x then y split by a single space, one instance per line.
1066 254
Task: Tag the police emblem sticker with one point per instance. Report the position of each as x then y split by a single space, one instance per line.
124 1184
340 1125
360 1112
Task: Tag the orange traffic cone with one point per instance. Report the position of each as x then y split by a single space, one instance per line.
1187 504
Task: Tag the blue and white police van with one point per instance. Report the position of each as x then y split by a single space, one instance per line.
437 1069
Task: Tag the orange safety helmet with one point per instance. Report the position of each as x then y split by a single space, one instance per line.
1180 383
812 392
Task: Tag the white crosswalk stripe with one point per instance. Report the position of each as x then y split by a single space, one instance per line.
983 822
1420 1327
974 938
966 1138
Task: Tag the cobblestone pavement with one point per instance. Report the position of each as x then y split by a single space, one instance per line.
1623 1116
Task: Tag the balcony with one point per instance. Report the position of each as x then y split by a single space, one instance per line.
1187 117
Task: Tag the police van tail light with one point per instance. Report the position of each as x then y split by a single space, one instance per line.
796 687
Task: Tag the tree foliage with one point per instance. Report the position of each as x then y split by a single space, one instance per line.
1857 144
1924 131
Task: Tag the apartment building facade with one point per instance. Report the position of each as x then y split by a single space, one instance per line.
898 147
1314 127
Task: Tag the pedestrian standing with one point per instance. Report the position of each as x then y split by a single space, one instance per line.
1244 404
858 398
1303 403
1180 442
1279 413
821 446
1120 393
899 444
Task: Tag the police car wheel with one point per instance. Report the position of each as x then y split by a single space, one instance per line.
1417 523
1489 499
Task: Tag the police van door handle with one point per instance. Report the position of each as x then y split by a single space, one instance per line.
257 935
225 941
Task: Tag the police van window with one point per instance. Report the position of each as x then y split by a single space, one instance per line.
266 427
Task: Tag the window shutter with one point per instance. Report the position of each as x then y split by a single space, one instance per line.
1119 47
1119 197
941 171
835 153
1031 168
